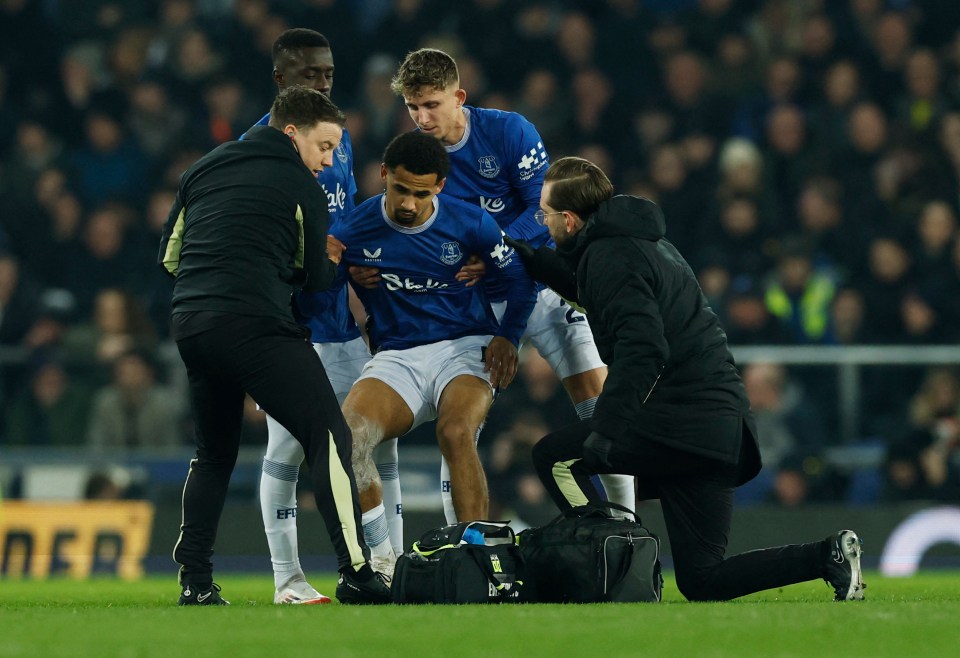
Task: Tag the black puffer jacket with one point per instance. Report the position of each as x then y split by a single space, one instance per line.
671 376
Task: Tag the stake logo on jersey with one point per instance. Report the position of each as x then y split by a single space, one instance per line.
336 200
419 300
532 162
492 206
488 166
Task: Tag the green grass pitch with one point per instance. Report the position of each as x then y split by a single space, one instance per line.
111 618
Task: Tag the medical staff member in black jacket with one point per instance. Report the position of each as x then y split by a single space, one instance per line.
673 411
248 227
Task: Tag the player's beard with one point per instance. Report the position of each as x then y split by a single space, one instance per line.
404 218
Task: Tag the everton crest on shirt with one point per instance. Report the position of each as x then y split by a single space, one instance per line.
499 165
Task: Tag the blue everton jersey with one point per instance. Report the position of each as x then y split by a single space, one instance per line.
419 301
327 313
499 165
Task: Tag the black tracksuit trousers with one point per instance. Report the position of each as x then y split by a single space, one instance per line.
696 494
275 363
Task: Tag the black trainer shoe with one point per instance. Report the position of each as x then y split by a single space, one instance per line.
842 566
372 591
194 596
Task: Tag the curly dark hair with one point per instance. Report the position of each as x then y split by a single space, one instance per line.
417 153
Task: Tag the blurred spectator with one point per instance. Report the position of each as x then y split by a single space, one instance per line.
228 115
193 64
383 115
597 116
891 39
539 101
51 410
884 289
155 122
117 325
791 435
842 89
135 411
781 86
922 463
922 105
107 256
741 170
788 156
681 203
739 235
936 231
696 110
787 424
18 308
108 165
746 318
835 239
800 296
846 316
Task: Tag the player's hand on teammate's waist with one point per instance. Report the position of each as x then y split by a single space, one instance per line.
472 271
335 249
368 277
501 362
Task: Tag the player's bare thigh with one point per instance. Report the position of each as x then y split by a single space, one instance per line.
585 385
371 403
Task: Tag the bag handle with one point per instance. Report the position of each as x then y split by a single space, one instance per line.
599 508
487 569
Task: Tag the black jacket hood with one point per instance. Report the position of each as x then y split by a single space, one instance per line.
620 216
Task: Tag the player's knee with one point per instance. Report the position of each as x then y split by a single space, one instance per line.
366 437
284 450
543 454
694 586
456 439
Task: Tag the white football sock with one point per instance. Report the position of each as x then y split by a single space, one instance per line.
376 533
278 501
620 488
387 458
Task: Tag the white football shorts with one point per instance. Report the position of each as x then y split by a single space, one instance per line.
419 374
560 333
343 362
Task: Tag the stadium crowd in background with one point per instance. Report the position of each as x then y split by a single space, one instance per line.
806 154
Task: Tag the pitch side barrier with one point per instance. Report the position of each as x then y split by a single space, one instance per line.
849 362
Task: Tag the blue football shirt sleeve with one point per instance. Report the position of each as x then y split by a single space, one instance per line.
351 180
264 120
528 166
504 264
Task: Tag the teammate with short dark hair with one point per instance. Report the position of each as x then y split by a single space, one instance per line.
247 228
497 162
304 57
